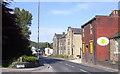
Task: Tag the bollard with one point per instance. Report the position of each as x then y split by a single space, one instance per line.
20 59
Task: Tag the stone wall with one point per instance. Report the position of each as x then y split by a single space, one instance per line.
27 64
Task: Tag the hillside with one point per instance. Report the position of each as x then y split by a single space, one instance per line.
42 44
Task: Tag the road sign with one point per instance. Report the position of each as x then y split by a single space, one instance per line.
102 41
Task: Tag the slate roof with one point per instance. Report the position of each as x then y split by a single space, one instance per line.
63 36
117 35
58 35
76 30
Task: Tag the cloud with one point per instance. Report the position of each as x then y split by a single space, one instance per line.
46 34
49 31
60 12
76 8
83 6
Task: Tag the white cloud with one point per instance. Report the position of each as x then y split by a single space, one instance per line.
83 6
46 34
78 7
60 12
48 31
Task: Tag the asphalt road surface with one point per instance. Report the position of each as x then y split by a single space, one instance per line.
59 65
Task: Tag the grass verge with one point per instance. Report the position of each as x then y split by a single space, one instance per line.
59 56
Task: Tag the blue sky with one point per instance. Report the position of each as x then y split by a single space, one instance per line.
55 17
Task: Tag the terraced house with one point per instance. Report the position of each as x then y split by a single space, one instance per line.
62 44
56 46
97 27
73 42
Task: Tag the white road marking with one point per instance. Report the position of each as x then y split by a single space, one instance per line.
50 66
66 64
72 66
69 65
85 71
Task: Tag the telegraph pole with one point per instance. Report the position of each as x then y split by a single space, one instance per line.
38 24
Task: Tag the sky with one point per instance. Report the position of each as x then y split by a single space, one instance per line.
56 17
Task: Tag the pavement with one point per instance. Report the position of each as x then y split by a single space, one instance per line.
22 69
92 65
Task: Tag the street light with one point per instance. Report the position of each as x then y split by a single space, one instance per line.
38 24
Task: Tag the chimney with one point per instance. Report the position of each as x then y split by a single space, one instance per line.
69 28
63 33
114 13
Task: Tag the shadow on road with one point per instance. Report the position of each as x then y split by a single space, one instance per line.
46 60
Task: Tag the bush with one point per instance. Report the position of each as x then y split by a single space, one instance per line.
59 56
29 59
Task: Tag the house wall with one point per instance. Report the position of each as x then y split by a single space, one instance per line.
105 27
101 26
64 46
69 37
77 44
114 56
55 46
73 43
88 37
60 46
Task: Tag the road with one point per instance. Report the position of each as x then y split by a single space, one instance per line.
58 65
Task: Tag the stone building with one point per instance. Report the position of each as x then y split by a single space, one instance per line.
56 40
115 47
73 42
62 44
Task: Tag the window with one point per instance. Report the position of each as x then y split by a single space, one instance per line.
91 47
83 48
83 30
90 26
91 29
83 35
68 43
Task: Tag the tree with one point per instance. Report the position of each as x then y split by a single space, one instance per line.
51 45
14 44
24 21
42 45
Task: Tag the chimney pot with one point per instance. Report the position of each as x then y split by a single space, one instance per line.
115 13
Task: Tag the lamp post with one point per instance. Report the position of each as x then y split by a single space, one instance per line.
38 24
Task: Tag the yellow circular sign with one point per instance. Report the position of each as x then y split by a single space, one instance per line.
103 41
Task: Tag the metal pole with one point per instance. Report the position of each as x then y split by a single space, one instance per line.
47 44
38 23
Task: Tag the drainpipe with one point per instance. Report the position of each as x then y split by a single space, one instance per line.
95 43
